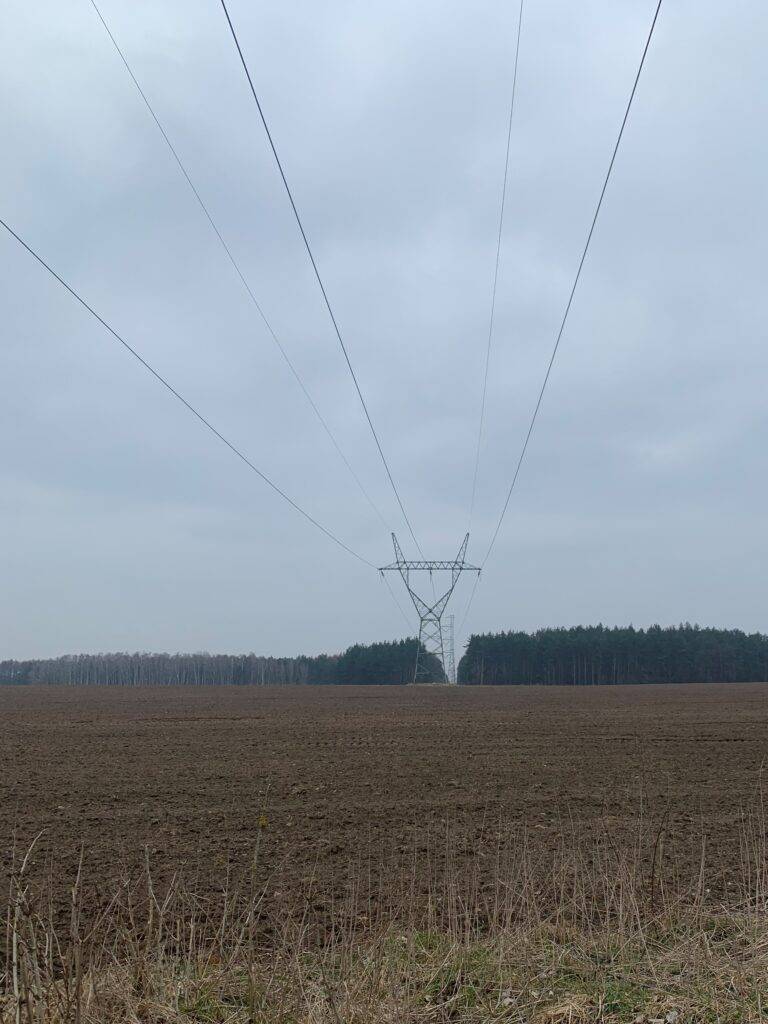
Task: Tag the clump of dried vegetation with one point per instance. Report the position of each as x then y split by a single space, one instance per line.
595 934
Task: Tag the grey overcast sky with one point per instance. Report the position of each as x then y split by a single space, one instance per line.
125 526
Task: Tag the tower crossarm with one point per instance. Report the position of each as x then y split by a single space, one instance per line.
434 566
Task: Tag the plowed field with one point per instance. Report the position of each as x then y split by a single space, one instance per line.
316 777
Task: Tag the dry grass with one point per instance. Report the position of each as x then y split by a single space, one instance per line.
597 934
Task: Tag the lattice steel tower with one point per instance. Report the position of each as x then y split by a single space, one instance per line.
450 654
430 615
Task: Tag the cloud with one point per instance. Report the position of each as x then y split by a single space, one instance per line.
130 527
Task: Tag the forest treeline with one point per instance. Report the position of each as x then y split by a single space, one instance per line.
582 656
389 663
598 655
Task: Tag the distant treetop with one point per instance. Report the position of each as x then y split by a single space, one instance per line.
586 655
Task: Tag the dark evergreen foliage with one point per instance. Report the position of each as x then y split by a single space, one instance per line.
587 655
388 663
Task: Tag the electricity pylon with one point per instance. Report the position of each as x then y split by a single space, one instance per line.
430 615
450 654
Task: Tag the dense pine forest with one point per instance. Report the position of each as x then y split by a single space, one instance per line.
381 663
581 656
390 663
597 655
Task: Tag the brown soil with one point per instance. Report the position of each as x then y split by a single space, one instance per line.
314 776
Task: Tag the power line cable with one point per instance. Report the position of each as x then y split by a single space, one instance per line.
319 278
496 267
394 598
571 295
206 423
577 278
236 266
469 602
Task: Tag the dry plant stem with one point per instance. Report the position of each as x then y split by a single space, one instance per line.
75 957
427 946
654 859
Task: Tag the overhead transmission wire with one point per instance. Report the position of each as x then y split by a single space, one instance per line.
394 598
230 256
492 316
188 405
319 278
560 332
